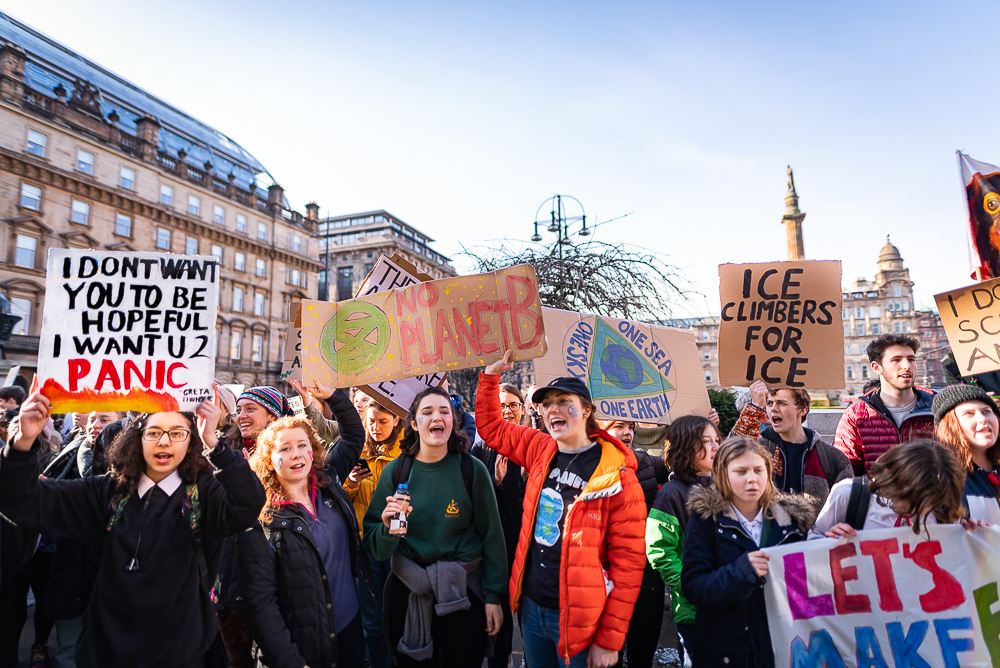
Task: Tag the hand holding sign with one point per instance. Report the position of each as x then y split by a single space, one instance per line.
31 419
500 366
207 417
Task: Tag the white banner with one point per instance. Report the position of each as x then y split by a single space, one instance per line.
128 331
887 598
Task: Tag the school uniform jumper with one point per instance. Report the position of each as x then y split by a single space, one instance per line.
159 614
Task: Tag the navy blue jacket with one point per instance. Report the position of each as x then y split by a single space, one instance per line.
716 576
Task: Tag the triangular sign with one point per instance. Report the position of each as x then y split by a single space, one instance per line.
618 369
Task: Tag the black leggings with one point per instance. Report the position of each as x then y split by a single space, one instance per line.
14 606
459 638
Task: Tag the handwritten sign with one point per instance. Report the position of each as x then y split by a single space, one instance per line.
887 598
291 365
781 323
971 319
128 331
423 329
634 371
391 273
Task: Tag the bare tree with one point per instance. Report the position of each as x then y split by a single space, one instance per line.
617 280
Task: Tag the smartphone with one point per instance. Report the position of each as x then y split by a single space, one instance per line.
363 463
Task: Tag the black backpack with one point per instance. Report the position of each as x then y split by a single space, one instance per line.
401 473
825 460
857 506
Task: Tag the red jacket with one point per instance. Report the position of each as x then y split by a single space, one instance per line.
604 529
867 430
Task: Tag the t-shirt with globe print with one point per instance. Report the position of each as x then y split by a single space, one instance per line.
568 475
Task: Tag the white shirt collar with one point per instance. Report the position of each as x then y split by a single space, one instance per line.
169 484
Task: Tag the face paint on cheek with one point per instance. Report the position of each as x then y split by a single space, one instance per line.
420 421
573 412
280 463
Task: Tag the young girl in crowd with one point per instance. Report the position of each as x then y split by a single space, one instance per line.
383 432
692 441
967 420
914 484
724 567
508 484
305 559
157 521
581 483
443 595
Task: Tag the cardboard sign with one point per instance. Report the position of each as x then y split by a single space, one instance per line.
782 323
128 331
427 328
390 273
291 365
887 598
634 371
971 318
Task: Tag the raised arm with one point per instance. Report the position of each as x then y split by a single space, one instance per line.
233 499
513 441
345 454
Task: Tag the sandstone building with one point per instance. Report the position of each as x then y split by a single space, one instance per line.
89 160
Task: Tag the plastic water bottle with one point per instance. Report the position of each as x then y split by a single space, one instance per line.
397 525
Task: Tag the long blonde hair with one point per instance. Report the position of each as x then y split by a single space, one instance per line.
734 448
262 465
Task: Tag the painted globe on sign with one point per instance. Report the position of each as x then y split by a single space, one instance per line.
621 367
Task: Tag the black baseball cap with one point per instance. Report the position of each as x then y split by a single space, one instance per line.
565 384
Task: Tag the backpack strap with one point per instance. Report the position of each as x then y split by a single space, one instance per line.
826 463
857 506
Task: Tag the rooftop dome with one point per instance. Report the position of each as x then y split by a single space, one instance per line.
51 65
889 253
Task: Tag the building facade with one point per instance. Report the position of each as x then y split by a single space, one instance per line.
933 347
706 337
874 307
90 161
349 247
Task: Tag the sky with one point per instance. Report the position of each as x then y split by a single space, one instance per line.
462 118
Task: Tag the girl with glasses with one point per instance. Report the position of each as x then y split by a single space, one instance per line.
157 521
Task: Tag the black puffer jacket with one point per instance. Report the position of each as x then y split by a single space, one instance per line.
651 473
289 609
340 459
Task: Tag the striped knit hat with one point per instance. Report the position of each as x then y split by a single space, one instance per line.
273 401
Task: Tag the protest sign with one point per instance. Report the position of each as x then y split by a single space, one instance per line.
391 273
781 323
423 329
128 331
634 371
291 365
888 597
971 319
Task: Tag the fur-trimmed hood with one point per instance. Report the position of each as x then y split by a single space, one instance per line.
786 509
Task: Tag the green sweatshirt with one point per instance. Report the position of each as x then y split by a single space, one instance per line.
442 525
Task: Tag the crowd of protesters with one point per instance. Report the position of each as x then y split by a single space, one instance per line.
353 535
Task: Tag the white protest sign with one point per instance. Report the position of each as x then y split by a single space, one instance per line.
888 597
392 274
128 331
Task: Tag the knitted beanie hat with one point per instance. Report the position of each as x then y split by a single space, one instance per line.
953 395
273 401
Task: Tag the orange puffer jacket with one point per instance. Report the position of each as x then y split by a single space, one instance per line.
604 529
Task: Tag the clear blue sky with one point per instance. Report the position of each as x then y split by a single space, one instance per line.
461 118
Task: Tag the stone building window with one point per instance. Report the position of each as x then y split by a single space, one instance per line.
897 291
850 373
31 197
80 212
217 252
257 352
238 299
166 195
22 307
218 215
861 329
261 267
708 376
240 263
162 238
36 143
345 283
84 162
262 231
25 253
258 303
194 205
876 328
235 345
241 223
190 246
127 179
123 225
296 243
